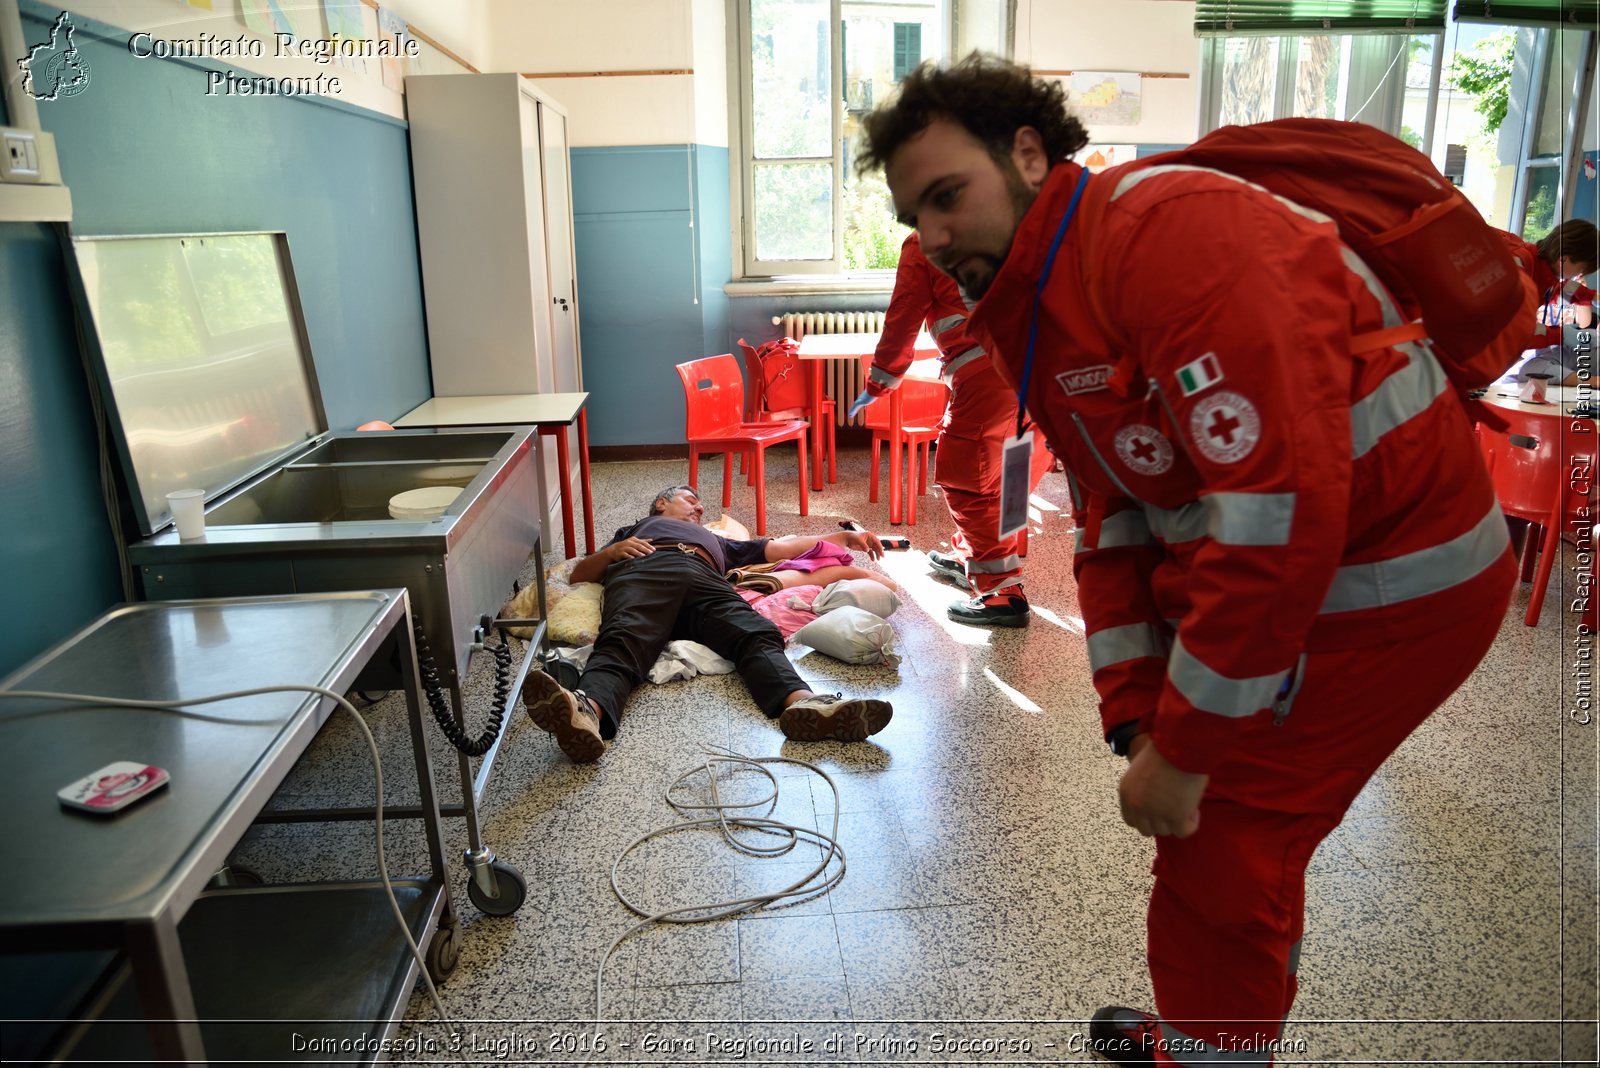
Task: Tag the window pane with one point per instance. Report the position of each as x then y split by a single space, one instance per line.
872 238
792 79
794 211
1249 79
1544 190
1566 49
1316 83
1414 113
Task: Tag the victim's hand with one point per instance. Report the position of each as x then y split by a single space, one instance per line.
1157 798
864 541
631 549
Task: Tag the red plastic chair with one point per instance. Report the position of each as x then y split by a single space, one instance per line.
922 407
714 421
757 411
1525 463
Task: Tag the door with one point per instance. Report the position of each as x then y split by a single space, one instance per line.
558 247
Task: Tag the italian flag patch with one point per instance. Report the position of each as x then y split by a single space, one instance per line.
1195 376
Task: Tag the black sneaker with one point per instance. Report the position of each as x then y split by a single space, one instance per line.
948 565
570 716
1003 608
825 716
1124 1036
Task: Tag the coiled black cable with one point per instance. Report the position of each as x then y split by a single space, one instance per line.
433 690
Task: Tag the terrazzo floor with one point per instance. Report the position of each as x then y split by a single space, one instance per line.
992 898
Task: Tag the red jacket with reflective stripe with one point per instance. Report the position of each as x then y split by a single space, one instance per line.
922 293
1252 482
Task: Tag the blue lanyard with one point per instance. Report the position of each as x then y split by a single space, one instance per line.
1038 294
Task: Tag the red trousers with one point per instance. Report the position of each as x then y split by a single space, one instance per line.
1227 910
981 415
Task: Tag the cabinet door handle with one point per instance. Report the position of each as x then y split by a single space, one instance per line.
563 302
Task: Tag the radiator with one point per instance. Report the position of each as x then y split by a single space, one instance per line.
842 379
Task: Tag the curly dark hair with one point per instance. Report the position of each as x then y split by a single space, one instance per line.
1575 238
990 97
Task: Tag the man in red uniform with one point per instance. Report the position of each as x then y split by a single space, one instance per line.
982 413
1289 552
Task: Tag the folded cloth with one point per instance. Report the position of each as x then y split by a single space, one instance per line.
822 554
679 660
758 577
686 659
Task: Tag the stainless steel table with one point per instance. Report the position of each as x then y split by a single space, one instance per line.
135 882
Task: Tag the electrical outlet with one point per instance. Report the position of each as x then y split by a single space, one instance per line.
19 156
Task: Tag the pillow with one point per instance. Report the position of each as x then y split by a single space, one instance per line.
870 594
789 609
853 635
573 611
729 528
575 619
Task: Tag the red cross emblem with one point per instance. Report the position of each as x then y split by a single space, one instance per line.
1144 449
1225 427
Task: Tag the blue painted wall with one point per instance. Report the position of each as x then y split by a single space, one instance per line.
651 226
144 151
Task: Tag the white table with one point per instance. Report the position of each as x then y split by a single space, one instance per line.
818 348
552 413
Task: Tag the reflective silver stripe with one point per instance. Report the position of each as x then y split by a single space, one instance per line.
1294 959
1118 645
1116 531
884 378
950 369
1174 525
1418 574
941 325
1249 518
1210 692
1407 392
1404 395
991 567
1186 1049
1135 177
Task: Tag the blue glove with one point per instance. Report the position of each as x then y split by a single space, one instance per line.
859 403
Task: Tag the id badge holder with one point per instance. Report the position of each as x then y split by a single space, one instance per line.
1016 464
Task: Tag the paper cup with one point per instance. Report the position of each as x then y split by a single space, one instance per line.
188 507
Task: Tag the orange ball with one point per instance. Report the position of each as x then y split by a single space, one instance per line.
376 424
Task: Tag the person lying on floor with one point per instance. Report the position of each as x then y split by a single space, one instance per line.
664 579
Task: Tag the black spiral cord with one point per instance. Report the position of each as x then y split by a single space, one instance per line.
433 689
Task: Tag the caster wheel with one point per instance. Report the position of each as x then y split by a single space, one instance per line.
443 954
510 886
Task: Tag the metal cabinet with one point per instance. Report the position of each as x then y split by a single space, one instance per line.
492 179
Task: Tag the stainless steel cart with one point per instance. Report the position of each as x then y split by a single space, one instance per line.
133 885
205 375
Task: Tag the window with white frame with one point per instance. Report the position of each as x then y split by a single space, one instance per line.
1511 123
809 71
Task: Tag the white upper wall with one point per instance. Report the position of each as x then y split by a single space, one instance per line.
572 36
459 25
1122 35
711 103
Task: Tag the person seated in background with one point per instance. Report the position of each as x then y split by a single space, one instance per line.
1557 264
1565 362
664 580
